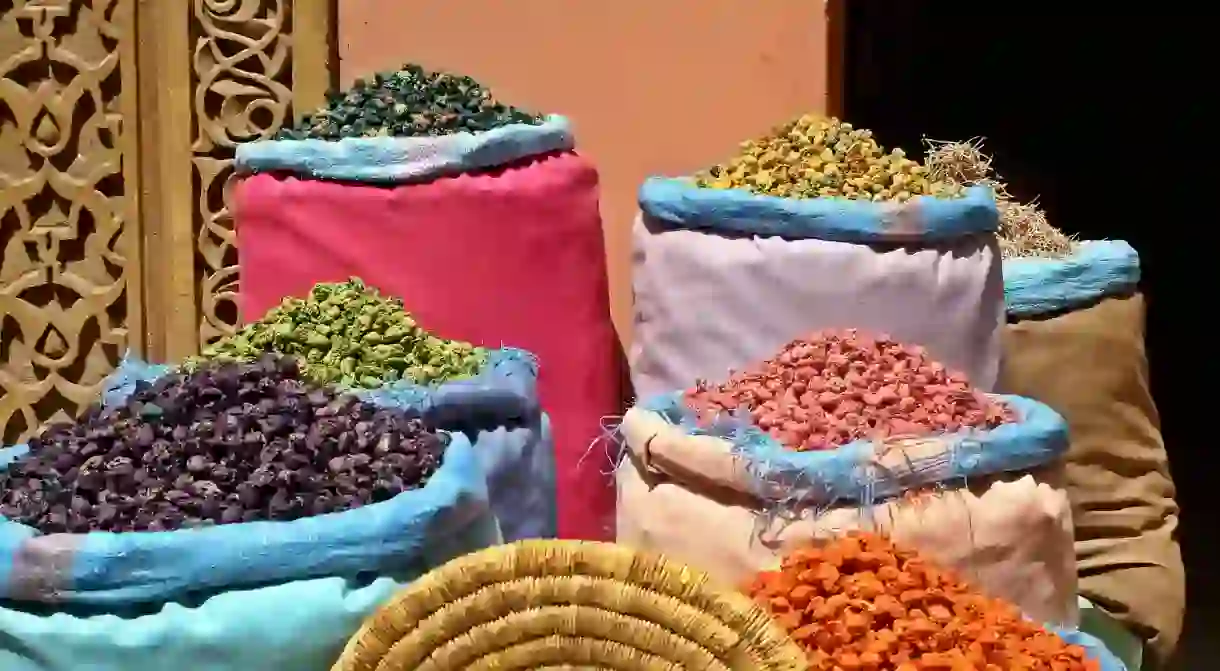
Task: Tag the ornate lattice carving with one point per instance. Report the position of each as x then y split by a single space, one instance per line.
243 90
67 224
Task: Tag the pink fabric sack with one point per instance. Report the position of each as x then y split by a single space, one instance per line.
513 256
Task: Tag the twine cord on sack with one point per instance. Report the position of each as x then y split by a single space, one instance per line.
913 497
795 505
543 603
611 438
615 450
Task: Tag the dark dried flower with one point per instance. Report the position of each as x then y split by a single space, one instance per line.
409 102
228 442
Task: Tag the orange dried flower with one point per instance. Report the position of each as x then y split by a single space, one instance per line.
862 603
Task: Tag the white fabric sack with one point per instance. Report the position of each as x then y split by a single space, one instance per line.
724 278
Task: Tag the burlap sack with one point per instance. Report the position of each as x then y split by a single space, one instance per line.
1090 365
690 497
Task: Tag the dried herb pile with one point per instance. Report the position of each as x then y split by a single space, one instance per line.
832 387
817 157
1024 230
347 333
227 443
411 102
865 604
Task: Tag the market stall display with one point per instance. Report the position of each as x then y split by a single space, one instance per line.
1075 340
813 226
835 432
862 602
233 517
348 334
568 604
478 215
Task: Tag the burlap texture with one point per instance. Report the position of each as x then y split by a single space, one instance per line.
1090 365
689 497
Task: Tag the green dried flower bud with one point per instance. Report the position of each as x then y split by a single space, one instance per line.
409 102
347 332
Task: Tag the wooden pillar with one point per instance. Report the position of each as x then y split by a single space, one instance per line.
227 71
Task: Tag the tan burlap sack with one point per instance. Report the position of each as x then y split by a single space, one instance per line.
690 497
1089 364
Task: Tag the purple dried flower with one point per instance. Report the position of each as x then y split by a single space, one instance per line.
228 443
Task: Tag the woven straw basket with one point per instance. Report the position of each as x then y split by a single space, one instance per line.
549 604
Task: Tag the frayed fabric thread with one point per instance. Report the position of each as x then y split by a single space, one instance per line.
791 485
851 472
611 441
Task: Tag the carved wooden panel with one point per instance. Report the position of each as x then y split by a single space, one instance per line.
247 61
243 89
70 266
118 123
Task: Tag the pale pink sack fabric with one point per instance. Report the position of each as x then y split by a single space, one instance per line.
707 303
689 497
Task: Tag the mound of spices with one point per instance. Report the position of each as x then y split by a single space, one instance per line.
860 603
1024 229
227 443
833 387
815 156
348 334
408 103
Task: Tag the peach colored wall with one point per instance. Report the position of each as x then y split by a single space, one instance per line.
652 86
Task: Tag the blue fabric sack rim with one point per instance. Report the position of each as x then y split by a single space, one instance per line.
677 204
405 160
506 387
1096 269
849 473
350 537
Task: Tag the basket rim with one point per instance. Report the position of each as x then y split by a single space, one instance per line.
462 605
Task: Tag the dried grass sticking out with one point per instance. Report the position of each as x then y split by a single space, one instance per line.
1024 229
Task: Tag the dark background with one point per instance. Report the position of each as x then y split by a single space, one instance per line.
1085 111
